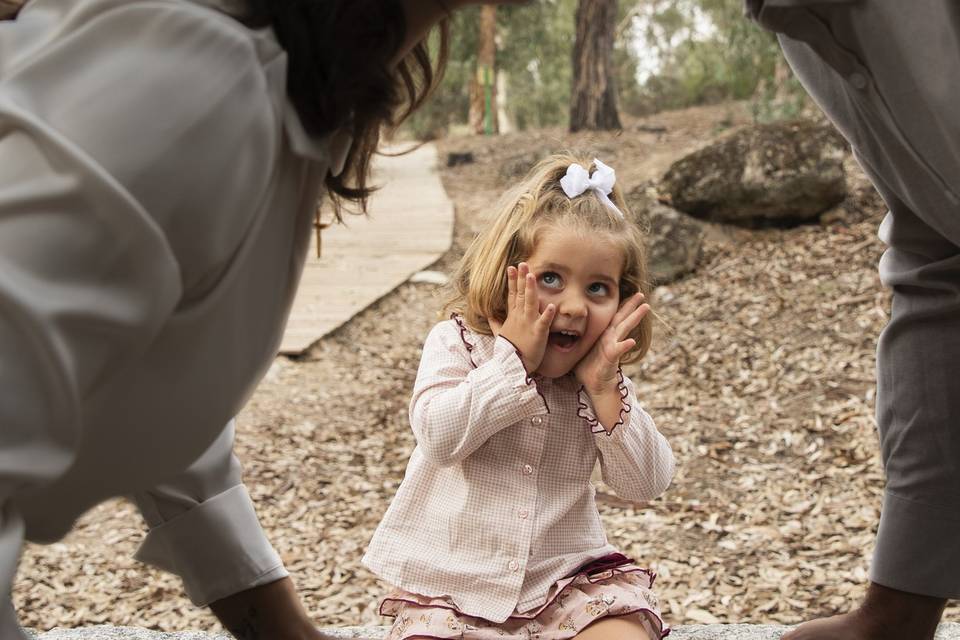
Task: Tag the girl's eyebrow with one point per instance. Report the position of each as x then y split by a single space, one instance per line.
600 276
553 266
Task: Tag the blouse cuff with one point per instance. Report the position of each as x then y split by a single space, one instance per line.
586 411
510 360
217 548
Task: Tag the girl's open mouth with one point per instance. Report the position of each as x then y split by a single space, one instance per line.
563 341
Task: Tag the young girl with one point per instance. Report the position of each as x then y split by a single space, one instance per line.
494 532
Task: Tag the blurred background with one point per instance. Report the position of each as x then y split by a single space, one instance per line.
654 55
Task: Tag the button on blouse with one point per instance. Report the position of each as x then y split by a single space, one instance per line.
461 516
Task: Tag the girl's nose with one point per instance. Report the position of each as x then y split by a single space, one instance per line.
572 305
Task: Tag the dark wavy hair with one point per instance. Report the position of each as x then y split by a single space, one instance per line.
10 8
341 73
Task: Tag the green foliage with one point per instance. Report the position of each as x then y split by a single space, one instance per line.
707 52
534 45
535 50
450 102
710 52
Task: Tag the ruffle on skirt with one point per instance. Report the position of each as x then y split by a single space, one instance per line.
607 587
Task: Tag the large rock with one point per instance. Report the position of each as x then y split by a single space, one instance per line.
947 631
773 174
516 167
675 240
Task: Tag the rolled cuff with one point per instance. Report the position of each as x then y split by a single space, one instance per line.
917 549
217 548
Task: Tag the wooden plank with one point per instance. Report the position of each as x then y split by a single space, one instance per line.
409 227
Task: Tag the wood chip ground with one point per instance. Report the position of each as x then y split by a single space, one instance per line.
761 375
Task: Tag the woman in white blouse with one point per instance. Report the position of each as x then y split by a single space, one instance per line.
160 163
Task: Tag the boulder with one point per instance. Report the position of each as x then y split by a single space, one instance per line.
674 239
776 174
516 167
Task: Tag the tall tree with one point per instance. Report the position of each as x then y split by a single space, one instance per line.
593 99
483 88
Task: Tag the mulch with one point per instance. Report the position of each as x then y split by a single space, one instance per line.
761 375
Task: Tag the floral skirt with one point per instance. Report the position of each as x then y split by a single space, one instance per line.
608 587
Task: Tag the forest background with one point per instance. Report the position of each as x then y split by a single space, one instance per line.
667 54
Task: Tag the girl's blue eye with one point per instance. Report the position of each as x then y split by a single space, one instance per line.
598 288
550 279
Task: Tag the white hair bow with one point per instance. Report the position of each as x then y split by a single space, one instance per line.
579 180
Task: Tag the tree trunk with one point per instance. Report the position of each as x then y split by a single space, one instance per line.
483 87
593 100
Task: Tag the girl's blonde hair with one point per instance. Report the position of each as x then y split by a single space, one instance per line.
538 203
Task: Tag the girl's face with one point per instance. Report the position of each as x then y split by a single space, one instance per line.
580 274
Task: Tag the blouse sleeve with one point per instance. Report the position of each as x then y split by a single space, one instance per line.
456 407
635 459
175 106
129 133
203 528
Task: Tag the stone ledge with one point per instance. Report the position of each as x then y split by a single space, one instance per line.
947 631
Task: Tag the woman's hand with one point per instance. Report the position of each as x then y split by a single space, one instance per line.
597 371
271 611
525 326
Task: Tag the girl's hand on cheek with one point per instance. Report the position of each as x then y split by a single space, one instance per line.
597 371
525 326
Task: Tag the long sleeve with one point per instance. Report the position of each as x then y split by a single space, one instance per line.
456 407
203 528
86 279
635 458
108 111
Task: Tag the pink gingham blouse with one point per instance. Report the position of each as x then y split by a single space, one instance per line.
497 504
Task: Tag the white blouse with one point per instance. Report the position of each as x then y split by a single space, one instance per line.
496 504
156 197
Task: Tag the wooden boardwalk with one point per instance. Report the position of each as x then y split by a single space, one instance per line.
410 226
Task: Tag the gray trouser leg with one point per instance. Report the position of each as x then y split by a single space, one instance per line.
918 409
904 129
